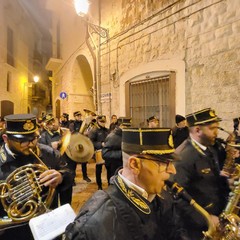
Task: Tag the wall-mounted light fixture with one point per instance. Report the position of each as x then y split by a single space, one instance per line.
36 78
82 7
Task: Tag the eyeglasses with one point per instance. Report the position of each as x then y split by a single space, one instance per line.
25 143
160 164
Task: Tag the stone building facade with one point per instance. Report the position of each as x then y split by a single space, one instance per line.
194 43
21 57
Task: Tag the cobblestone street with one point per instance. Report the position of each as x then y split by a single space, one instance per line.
83 190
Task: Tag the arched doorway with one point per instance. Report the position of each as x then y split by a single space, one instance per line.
82 85
7 107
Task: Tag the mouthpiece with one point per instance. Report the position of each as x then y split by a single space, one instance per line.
178 191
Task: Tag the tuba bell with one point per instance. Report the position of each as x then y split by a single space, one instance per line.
23 196
87 120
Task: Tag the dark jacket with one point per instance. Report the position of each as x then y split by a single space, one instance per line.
179 135
47 137
8 164
75 126
114 214
111 152
198 173
65 124
97 136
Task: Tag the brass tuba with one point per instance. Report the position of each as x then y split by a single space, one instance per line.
87 120
23 196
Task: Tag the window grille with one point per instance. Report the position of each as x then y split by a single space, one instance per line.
152 97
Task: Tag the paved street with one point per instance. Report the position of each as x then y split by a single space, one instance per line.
83 190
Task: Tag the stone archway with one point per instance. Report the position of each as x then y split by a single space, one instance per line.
82 94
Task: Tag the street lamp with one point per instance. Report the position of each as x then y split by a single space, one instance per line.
36 78
82 7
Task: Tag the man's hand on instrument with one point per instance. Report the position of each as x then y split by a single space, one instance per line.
51 178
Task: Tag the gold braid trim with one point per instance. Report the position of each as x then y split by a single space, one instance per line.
197 147
160 152
132 196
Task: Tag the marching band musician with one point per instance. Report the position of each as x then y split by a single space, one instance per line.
97 136
199 172
112 152
51 135
132 208
77 123
20 139
153 122
65 120
74 127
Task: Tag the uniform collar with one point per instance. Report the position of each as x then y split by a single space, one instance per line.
133 193
198 146
9 151
135 187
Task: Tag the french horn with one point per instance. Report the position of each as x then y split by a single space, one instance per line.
23 196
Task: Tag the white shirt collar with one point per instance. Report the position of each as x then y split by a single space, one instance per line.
136 188
9 151
199 144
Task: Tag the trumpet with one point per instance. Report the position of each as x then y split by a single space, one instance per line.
23 196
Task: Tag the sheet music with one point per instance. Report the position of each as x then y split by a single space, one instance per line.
52 224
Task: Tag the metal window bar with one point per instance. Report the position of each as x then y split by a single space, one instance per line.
150 98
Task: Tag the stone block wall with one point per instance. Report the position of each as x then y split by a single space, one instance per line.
204 34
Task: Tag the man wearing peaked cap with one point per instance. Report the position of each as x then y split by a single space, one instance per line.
124 121
131 208
77 123
202 117
20 148
75 127
48 117
98 135
199 172
153 122
64 120
77 113
101 118
111 151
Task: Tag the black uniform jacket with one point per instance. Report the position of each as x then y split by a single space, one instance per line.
97 136
47 137
199 175
111 152
75 126
8 164
121 214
